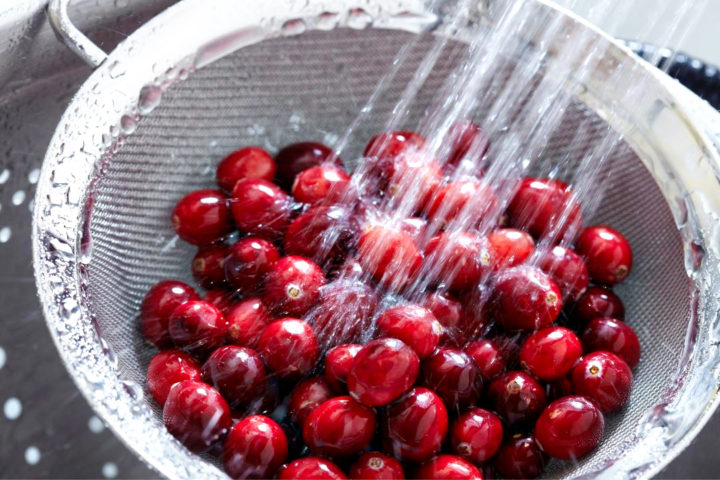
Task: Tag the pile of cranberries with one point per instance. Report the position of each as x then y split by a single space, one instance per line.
330 343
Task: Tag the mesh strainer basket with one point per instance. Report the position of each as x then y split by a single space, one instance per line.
202 78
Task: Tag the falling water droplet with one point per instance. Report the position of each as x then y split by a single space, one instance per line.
4 176
358 19
150 96
294 27
32 455
109 470
12 408
5 234
18 197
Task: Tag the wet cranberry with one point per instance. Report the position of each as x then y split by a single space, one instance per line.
509 247
311 468
520 457
160 301
414 325
221 298
570 427
448 467
197 326
457 259
324 182
475 320
237 373
410 179
452 374
605 378
306 396
466 137
202 217
323 233
415 227
248 262
166 369
340 427
338 362
447 310
524 298
376 466
246 322
488 357
196 414
612 336
567 269
248 162
343 313
476 435
208 266
382 371
517 397
598 302
466 202
544 207
393 144
256 447
293 285
289 348
297 157
607 254
415 426
550 353
389 255
260 208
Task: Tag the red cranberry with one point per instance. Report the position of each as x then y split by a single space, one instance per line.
208 266
476 435
340 427
236 372
338 362
289 347
466 137
599 302
256 447
605 378
520 458
488 357
550 353
297 157
382 371
248 262
260 208
307 396
311 468
411 179
166 369
567 269
160 301
293 285
376 466
451 374
458 259
463 200
524 298
221 298
570 427
613 336
246 322
544 207
202 217
389 255
197 415
415 426
448 467
197 325
607 253
415 227
448 311
322 233
414 325
509 247
393 144
517 397
324 182
343 313
248 162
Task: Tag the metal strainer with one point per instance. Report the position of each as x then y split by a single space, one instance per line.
204 77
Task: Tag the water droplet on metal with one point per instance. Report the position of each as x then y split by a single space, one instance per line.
5 234
95 424
18 197
34 175
12 408
4 176
116 70
32 455
109 470
128 124
150 97
359 19
294 27
327 21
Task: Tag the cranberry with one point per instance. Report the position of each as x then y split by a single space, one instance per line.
466 137
415 227
475 320
166 369
376 466
246 322
289 347
297 157
415 425
256 447
382 371
248 162
393 144
236 372
338 362
462 201
448 467
260 208
311 468
414 325
340 427
196 414
208 266
509 247
457 258
570 427
202 217
389 255
550 353
451 374
488 357
411 179
306 396
448 311
197 326
524 298
517 397
544 207
221 298
323 233
343 313
520 458
607 253
476 435
567 269
613 336
605 378
324 182
160 301
248 262
293 285
599 302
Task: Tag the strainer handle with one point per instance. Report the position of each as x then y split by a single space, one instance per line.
71 36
